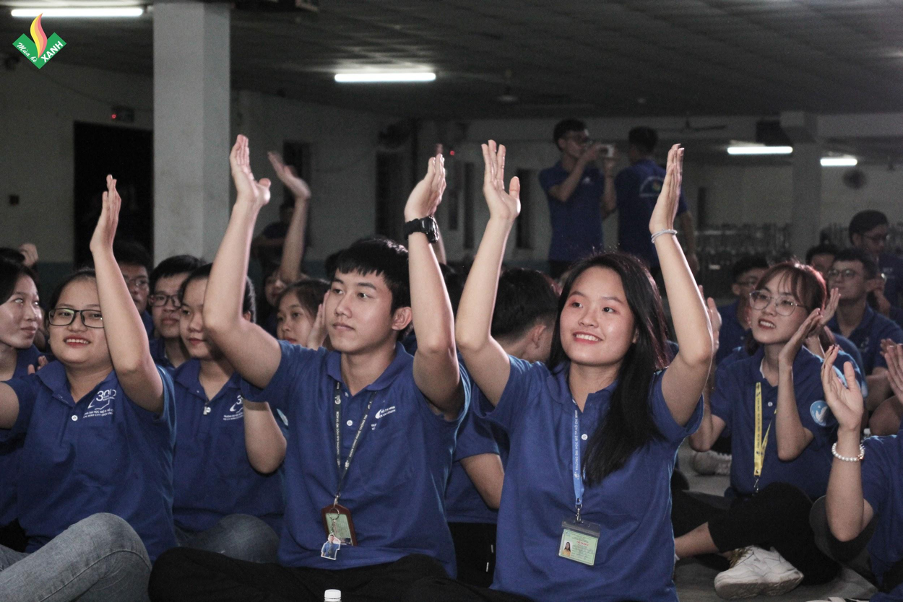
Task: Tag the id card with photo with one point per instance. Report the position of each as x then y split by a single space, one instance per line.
337 522
579 541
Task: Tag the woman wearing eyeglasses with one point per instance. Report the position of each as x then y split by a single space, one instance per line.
95 490
781 429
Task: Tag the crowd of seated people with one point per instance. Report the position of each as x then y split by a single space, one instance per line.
407 430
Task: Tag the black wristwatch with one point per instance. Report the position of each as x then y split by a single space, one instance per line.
427 225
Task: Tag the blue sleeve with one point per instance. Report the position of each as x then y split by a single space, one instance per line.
475 437
280 392
437 419
26 389
548 179
663 418
877 472
815 415
625 186
524 382
722 399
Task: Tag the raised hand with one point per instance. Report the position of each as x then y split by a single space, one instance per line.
715 318
428 193
663 217
248 189
317 335
105 231
844 398
502 204
809 326
288 176
893 357
30 251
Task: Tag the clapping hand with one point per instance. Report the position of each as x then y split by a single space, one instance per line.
428 193
502 204
813 343
288 176
248 189
893 357
663 217
105 231
843 397
813 324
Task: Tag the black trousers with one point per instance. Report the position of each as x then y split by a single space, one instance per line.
778 516
183 574
450 590
475 552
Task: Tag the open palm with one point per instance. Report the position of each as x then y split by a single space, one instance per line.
506 205
248 189
844 398
666 208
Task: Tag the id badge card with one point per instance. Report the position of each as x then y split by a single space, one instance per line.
337 523
579 541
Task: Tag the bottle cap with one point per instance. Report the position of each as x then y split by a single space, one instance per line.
332 595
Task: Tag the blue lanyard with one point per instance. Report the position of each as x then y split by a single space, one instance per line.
576 474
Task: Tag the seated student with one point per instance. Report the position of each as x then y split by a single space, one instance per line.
855 274
221 502
868 231
593 436
20 316
865 482
299 319
745 274
523 319
771 403
821 257
100 431
887 418
372 429
135 264
167 347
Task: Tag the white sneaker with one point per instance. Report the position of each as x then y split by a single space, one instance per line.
756 571
710 463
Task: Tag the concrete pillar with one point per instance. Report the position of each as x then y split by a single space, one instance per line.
191 128
807 180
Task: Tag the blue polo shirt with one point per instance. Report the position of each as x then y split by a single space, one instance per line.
102 454
158 353
636 188
463 502
635 554
881 478
734 401
148 321
732 334
9 451
212 476
396 482
577 224
868 337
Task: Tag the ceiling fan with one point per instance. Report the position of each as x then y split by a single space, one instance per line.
688 127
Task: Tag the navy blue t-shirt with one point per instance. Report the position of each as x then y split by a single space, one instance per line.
158 353
396 482
577 224
732 334
881 479
102 454
212 476
868 337
635 555
636 188
734 401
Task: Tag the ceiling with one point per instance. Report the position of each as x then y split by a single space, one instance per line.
627 58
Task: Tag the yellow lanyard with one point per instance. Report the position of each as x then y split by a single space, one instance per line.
759 439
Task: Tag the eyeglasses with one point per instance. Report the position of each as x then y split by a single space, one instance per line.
91 318
139 282
161 300
842 274
783 305
876 238
748 282
580 139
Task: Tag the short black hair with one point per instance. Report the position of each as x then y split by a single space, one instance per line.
821 249
565 126
10 272
173 266
309 293
329 264
870 267
130 252
383 257
747 263
644 138
249 305
523 298
11 254
81 274
865 221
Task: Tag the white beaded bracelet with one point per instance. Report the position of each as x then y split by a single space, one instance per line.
858 458
661 232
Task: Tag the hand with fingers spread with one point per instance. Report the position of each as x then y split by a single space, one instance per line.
288 176
503 205
663 217
813 341
249 190
844 398
428 193
105 231
893 357
809 326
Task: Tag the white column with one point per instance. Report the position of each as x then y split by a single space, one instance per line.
191 128
807 180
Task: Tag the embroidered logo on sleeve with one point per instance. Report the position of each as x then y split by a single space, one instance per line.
101 404
819 411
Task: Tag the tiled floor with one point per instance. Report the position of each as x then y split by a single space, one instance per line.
695 582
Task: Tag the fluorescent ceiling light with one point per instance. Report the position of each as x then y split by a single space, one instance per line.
838 161
391 76
105 12
759 150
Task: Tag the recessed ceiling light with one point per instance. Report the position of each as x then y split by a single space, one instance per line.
104 12
838 161
365 77
759 149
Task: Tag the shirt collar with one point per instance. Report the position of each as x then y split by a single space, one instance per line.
557 383
53 375
189 375
399 364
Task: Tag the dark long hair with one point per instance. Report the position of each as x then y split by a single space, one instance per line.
628 425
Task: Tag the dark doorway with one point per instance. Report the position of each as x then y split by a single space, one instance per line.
127 154
391 195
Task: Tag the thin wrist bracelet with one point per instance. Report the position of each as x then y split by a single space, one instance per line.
858 458
661 232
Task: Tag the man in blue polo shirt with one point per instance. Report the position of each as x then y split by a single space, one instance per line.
637 188
855 274
868 231
580 196
372 429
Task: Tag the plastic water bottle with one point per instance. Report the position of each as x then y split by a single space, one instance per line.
332 595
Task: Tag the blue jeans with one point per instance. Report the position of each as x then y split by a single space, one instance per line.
99 558
238 536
